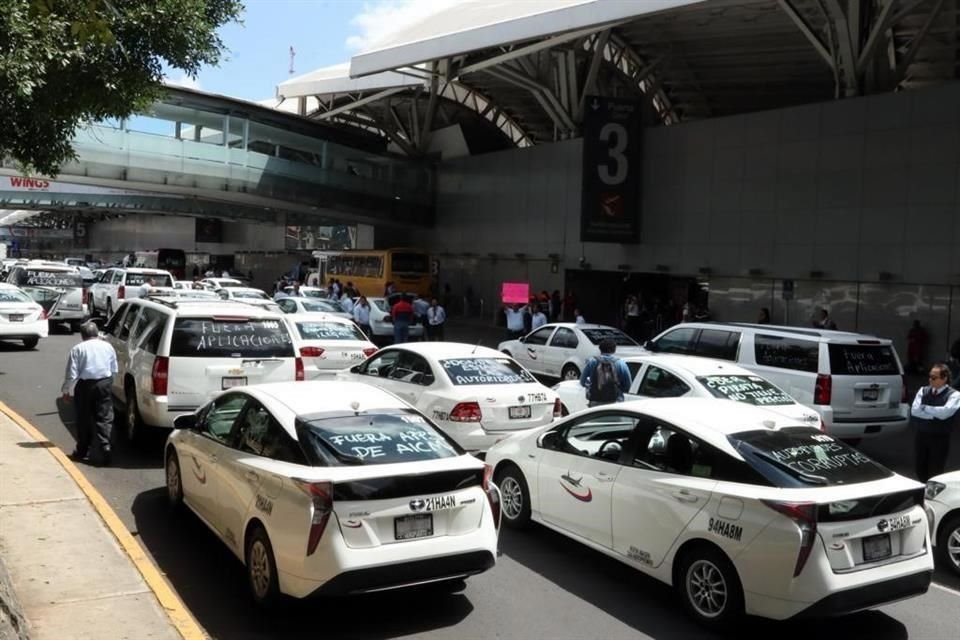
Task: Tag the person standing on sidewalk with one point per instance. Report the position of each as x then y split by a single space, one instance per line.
90 365
436 318
933 417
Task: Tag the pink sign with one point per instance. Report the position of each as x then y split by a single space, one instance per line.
515 292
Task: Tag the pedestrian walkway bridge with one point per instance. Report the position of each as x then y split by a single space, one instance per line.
201 154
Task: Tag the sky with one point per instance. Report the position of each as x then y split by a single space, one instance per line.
322 33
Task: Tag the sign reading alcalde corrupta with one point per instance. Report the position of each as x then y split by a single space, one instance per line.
610 200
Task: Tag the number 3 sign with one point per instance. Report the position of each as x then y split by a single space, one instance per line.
611 178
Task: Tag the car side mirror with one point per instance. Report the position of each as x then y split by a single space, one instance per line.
427 379
549 440
522 339
187 421
355 369
650 345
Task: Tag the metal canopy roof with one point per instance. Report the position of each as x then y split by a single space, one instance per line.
517 73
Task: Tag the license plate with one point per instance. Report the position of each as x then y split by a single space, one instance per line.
229 383
415 526
15 317
519 413
871 395
877 547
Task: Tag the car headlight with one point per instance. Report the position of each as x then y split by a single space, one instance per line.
933 489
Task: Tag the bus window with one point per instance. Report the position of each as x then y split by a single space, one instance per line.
409 262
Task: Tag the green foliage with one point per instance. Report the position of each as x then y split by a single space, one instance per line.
64 63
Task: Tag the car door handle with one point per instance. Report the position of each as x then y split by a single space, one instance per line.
685 496
603 476
252 477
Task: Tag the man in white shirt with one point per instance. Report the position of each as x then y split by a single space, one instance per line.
146 287
346 303
436 317
90 367
933 418
514 315
361 315
538 320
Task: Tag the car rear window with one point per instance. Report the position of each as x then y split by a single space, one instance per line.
320 330
468 371
13 295
321 306
862 360
750 389
619 337
230 338
159 279
251 293
804 457
41 278
373 438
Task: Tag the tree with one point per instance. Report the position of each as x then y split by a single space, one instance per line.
65 63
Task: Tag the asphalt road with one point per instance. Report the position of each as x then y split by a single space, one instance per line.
544 586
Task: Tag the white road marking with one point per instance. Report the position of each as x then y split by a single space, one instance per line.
945 588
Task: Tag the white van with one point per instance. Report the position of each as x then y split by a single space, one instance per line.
174 354
854 381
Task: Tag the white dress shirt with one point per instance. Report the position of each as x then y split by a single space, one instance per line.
515 318
929 412
90 360
538 320
361 314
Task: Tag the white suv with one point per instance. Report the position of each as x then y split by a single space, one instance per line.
117 285
853 380
56 287
174 354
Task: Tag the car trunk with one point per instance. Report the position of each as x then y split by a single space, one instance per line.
332 356
512 408
17 314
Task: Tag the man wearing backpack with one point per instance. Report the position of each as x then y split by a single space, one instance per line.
607 377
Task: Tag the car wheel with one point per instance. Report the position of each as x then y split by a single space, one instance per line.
709 588
174 482
93 308
30 343
262 569
948 542
134 422
570 372
109 308
514 497
74 327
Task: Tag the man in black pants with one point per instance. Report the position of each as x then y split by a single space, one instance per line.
91 365
934 416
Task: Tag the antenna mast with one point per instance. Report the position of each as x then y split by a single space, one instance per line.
292 56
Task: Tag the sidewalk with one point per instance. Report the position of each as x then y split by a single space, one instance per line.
75 570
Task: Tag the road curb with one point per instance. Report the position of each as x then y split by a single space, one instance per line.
178 614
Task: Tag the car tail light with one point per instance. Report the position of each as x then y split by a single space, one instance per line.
311 352
369 351
121 292
823 389
493 496
557 408
804 515
321 495
84 298
160 375
466 412
299 375
903 389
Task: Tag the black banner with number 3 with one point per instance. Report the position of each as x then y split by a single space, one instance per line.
610 204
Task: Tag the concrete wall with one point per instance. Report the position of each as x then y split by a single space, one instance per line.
146 231
850 189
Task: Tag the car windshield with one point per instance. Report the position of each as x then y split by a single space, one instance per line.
14 295
43 278
469 371
803 457
750 389
230 338
373 438
322 306
619 337
250 293
863 360
159 279
320 330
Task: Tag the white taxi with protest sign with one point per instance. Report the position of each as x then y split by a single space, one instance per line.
332 488
741 509
327 343
477 395
672 376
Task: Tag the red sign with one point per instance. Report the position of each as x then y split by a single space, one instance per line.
515 292
30 184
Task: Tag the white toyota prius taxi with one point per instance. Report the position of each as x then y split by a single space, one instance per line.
741 509
943 509
332 488
478 396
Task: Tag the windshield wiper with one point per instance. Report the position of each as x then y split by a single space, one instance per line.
807 477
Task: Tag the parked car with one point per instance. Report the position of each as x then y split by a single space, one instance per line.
670 376
247 295
174 354
476 395
943 510
56 287
117 285
381 323
313 305
21 317
332 488
562 349
853 380
215 284
328 343
742 510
